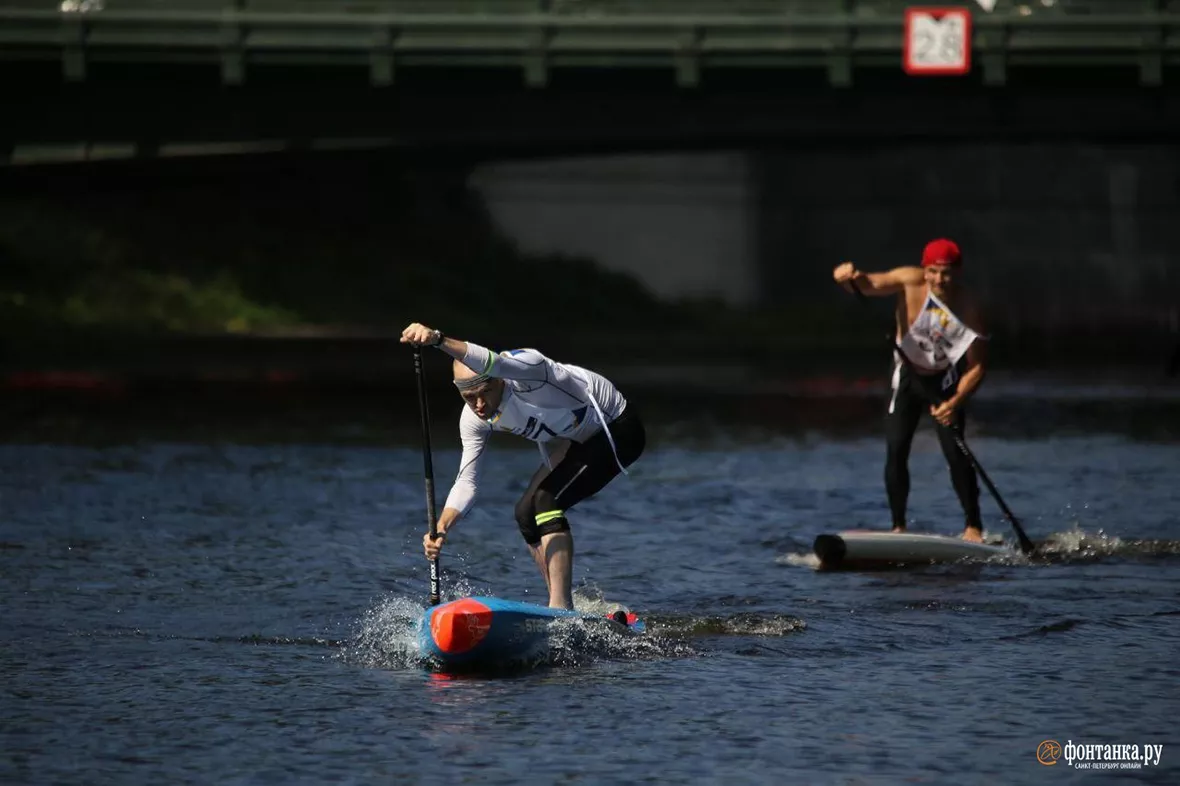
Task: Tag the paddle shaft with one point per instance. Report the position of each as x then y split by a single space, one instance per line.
428 470
1026 545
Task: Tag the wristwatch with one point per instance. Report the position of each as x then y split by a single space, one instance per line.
438 338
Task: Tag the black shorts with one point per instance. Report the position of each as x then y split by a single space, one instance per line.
582 472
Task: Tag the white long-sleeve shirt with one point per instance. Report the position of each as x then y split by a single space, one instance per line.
543 400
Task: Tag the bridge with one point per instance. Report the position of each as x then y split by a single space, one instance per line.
504 77
788 131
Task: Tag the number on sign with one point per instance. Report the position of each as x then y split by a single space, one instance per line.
937 41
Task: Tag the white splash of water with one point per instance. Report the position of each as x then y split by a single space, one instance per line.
578 642
1079 543
387 637
589 599
807 560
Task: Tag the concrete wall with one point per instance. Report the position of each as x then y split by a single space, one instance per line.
1055 236
685 225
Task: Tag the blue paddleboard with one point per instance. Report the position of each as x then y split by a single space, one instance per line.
490 632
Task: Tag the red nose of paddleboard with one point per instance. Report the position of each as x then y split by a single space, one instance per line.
460 625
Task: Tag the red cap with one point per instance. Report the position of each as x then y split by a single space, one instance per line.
941 252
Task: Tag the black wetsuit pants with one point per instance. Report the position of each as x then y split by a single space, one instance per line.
582 472
912 397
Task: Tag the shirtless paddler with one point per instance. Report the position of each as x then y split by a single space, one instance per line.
941 332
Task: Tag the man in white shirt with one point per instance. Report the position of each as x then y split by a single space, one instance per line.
580 422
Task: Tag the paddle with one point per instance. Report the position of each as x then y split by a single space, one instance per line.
1026 545
428 469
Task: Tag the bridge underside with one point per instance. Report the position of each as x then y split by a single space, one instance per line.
156 110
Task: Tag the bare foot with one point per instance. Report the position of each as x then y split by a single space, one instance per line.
972 535
898 529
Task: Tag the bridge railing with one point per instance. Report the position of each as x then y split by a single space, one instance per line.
612 8
684 36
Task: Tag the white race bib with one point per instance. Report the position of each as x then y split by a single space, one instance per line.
938 338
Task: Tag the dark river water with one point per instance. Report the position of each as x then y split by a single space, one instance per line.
209 604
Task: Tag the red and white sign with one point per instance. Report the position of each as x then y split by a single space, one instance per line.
937 41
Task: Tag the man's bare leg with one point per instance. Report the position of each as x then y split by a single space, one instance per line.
555 559
539 558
